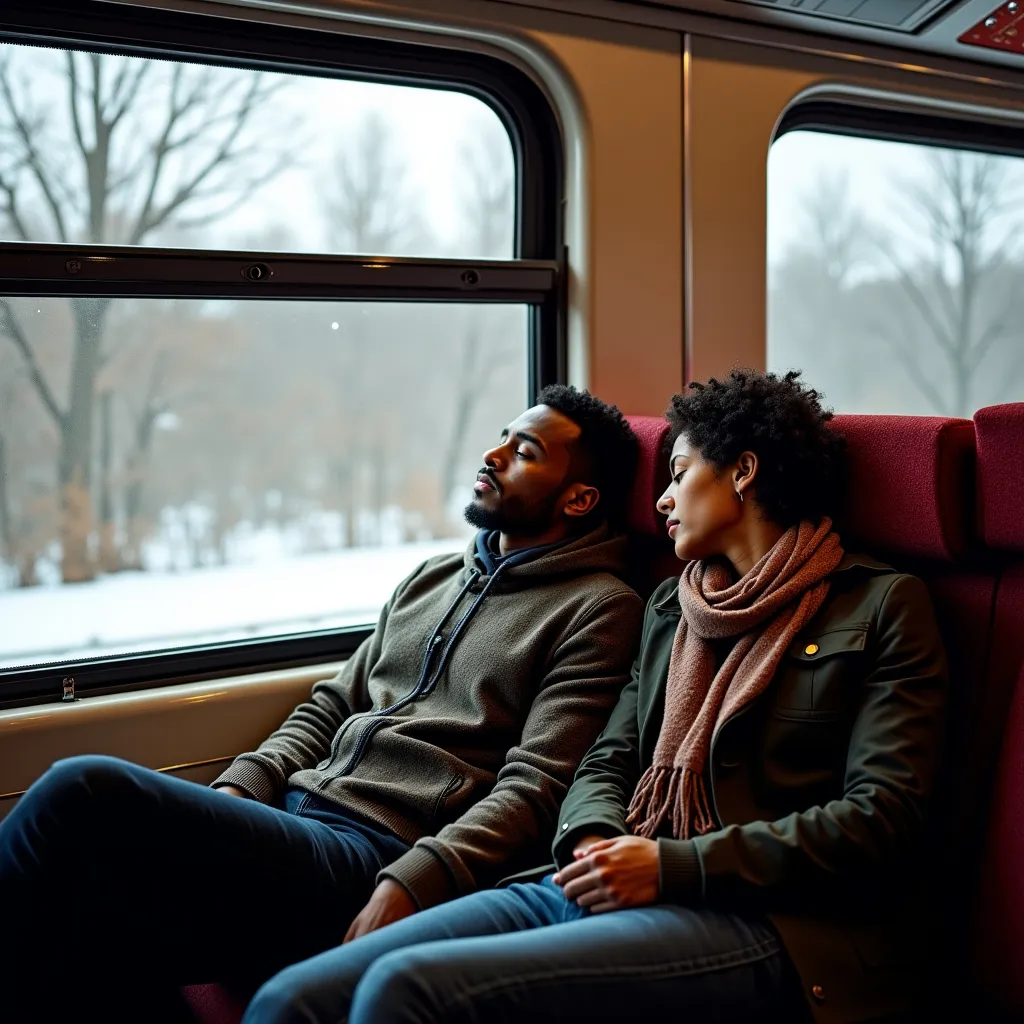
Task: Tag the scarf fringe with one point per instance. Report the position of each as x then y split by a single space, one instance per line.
675 790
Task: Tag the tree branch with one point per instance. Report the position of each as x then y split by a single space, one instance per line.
920 303
25 131
10 208
913 371
223 155
10 326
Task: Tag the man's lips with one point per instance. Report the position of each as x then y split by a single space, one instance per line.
485 483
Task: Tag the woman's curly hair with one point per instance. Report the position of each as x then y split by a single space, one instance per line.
801 459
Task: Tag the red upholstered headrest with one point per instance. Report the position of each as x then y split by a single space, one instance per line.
651 475
999 431
911 484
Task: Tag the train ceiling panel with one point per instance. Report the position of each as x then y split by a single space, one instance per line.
901 15
1002 30
969 31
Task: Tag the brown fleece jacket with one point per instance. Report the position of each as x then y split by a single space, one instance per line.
470 763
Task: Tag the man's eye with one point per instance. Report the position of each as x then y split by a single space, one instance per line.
523 453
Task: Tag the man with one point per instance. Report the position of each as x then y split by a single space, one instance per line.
433 764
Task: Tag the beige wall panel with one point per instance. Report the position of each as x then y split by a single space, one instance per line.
732 110
632 101
195 724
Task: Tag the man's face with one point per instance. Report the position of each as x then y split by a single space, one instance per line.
522 486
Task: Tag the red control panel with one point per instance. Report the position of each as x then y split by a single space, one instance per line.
1003 29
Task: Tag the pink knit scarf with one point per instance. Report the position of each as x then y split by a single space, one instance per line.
765 610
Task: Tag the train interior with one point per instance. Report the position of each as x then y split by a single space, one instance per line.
658 154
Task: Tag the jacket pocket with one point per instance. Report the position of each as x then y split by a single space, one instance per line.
454 784
819 674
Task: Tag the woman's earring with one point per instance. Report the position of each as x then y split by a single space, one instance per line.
739 494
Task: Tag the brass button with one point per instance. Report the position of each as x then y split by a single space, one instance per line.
819 993
811 649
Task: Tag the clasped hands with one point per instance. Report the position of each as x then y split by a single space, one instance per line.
606 874
611 874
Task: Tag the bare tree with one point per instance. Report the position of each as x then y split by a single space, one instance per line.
953 284
6 530
371 206
836 233
489 211
372 209
129 148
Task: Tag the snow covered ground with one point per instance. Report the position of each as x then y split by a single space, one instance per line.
142 611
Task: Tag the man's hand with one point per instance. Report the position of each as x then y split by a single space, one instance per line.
586 842
233 791
389 903
612 874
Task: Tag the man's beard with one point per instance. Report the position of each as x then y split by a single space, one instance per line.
509 519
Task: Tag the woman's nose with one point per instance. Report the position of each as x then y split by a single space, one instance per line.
665 504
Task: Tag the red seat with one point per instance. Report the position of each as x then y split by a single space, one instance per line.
214 1004
912 501
998 935
651 557
996 959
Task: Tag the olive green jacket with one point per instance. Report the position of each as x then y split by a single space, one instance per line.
820 787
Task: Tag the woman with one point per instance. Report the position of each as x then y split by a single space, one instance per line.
741 841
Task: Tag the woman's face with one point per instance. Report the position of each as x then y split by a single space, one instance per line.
702 503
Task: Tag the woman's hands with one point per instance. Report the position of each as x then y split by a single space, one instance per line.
612 874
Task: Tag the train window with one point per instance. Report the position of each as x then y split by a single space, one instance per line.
257 469
895 272
257 323
139 151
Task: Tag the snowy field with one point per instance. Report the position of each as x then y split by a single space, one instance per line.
144 611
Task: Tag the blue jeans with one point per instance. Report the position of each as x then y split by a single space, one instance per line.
119 884
526 953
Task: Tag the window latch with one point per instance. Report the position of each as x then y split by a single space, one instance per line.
68 684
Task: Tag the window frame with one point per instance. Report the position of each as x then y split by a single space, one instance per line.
910 123
535 276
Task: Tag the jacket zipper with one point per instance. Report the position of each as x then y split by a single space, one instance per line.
424 684
400 703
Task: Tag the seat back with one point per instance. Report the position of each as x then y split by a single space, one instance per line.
911 502
998 932
651 558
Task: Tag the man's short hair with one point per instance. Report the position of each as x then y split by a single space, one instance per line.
605 453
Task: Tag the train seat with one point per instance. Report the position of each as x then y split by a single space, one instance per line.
911 502
998 932
651 558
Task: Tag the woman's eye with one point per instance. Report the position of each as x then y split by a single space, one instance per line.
678 476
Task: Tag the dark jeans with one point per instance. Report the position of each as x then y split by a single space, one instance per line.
119 884
526 954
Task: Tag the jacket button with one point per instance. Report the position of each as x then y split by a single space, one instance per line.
819 993
811 649
565 826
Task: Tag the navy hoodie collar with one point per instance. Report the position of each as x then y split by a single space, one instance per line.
488 552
